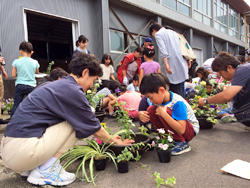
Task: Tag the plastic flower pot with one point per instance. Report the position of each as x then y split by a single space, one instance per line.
117 149
164 155
204 124
100 164
100 115
122 166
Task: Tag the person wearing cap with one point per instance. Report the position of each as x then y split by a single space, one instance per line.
145 44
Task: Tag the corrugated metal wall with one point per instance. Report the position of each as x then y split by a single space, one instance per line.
87 12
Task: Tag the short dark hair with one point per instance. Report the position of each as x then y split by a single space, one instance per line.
57 73
85 61
149 51
105 57
156 26
139 49
164 76
241 58
82 39
151 83
222 60
208 82
189 79
26 47
122 88
113 85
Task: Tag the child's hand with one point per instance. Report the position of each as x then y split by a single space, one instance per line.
161 110
143 116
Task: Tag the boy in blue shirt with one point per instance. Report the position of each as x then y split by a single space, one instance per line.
170 111
134 85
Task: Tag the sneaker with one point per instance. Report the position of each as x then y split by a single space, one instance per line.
25 174
180 148
54 175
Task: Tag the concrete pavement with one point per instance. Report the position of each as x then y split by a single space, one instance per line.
199 168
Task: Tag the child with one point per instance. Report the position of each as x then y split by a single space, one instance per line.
132 100
145 103
81 44
170 111
107 69
188 83
24 69
134 85
149 66
107 96
209 87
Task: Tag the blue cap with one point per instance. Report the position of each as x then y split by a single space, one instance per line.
148 39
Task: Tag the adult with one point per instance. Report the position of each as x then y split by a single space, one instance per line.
49 122
169 46
81 44
145 44
130 66
5 75
229 68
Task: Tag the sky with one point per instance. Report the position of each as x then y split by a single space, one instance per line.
248 2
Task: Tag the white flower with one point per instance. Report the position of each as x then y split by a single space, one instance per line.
162 131
157 137
165 147
170 139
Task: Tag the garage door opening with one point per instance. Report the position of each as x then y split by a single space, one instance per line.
52 40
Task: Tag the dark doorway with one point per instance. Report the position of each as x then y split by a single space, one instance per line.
51 39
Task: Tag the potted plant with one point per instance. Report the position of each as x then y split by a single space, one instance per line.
7 105
207 114
92 98
125 124
124 157
164 144
94 151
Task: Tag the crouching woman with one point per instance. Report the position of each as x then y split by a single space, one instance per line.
49 122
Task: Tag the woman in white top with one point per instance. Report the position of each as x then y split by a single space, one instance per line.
107 69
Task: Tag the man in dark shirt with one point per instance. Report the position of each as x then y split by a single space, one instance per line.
49 122
229 68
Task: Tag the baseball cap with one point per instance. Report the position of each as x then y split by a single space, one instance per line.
148 39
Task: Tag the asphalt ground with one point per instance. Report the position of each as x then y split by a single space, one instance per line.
199 168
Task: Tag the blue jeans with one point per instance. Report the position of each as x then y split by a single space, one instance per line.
183 89
20 91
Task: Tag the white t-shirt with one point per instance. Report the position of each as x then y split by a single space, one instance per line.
106 71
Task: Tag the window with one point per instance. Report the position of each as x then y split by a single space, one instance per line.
233 23
242 29
117 41
182 6
133 46
220 15
203 11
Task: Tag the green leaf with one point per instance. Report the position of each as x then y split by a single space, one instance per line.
159 181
